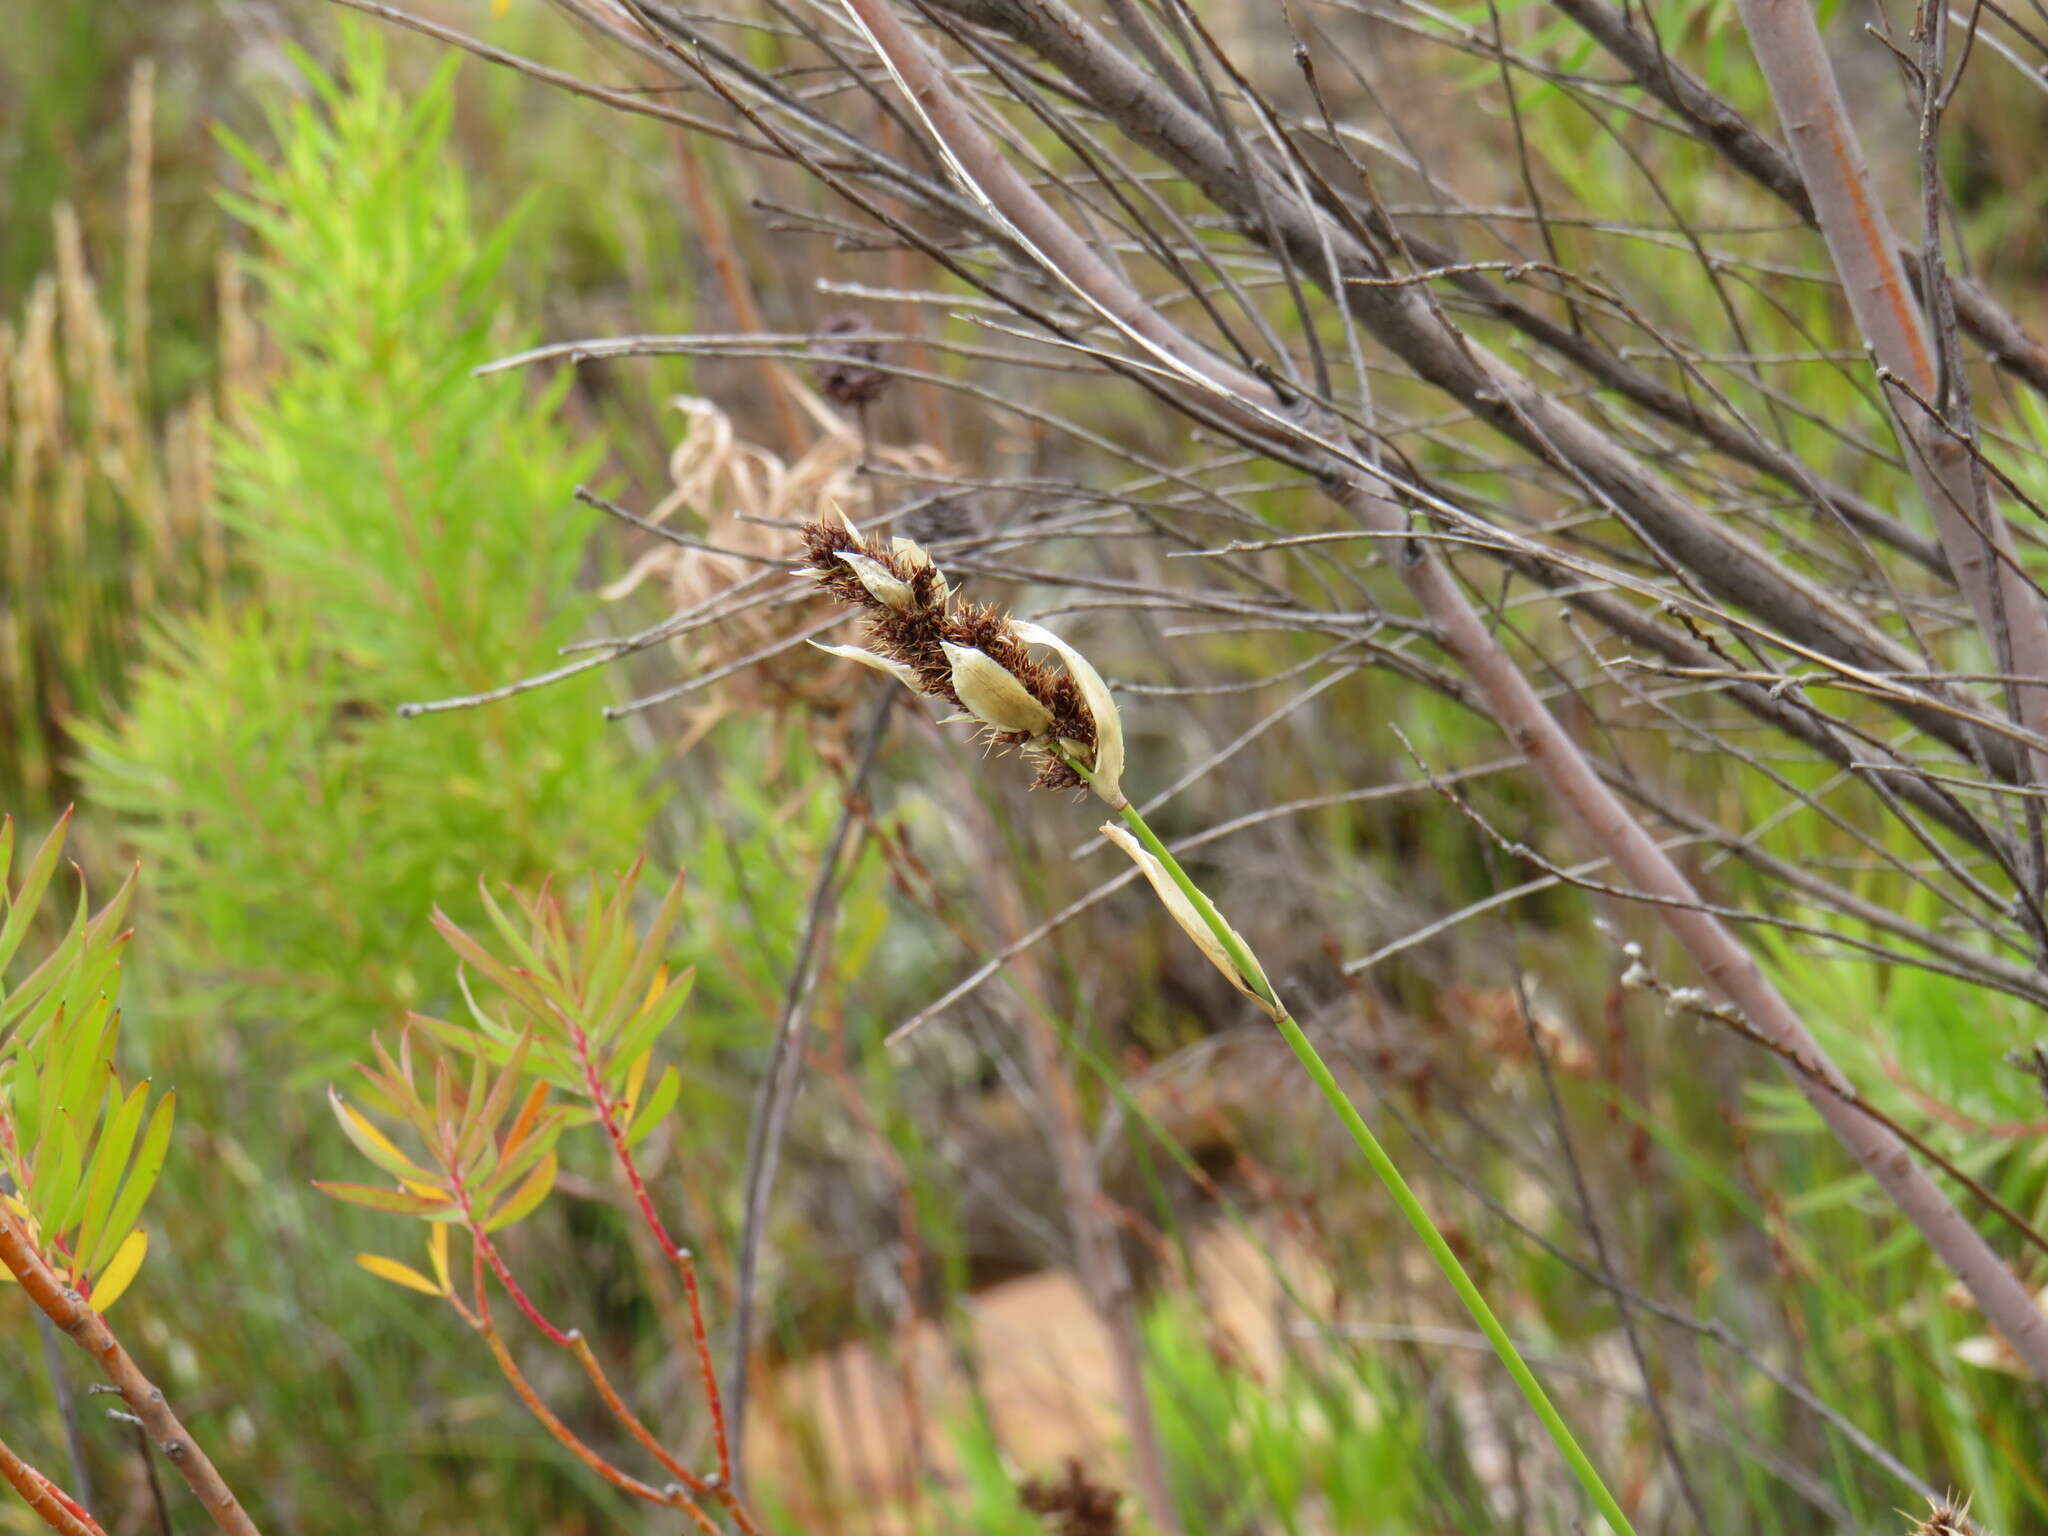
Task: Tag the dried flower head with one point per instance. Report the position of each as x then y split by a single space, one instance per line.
974 657
847 355
739 498
1075 1505
1946 1518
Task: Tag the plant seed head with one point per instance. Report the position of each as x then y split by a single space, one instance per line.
846 362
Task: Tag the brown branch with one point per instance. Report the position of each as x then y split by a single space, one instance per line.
2011 614
52 1506
1765 163
69 1311
1514 703
1724 562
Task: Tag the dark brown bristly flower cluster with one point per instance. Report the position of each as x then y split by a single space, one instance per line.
1075 1505
973 656
1945 1519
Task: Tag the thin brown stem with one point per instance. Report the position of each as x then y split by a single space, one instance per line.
1510 698
70 1312
51 1504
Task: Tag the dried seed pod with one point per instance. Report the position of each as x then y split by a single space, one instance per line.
847 355
1105 759
895 669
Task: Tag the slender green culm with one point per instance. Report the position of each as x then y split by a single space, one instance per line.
1382 1164
980 661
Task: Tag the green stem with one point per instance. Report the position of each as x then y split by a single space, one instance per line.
1361 1134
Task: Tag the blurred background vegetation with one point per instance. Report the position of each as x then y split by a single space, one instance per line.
255 500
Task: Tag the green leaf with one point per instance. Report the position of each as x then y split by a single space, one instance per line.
57 1174
524 952
527 1196
659 1103
87 1066
33 1003
109 1162
645 1028
149 1162
378 1198
520 988
21 907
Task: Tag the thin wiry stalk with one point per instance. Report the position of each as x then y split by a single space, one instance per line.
1731 969
1383 1166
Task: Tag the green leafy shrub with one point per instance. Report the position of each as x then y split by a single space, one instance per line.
411 534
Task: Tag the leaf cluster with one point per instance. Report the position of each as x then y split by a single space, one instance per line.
560 1032
80 1150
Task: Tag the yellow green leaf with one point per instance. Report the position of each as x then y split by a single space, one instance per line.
373 1143
121 1269
378 1198
149 1162
636 1079
658 1104
528 1195
398 1274
437 1254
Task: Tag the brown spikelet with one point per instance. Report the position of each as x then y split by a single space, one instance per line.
1946 1518
1075 1505
917 637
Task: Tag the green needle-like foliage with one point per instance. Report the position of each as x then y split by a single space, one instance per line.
413 537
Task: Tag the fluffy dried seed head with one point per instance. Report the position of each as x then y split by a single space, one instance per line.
974 657
1075 1505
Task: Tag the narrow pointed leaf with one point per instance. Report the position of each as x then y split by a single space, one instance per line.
373 1143
377 1198
437 1255
109 1162
398 1274
658 1104
21 910
529 1194
149 1162
109 1284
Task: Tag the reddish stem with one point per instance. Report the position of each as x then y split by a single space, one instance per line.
51 1504
488 1251
672 1498
684 1261
69 1311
